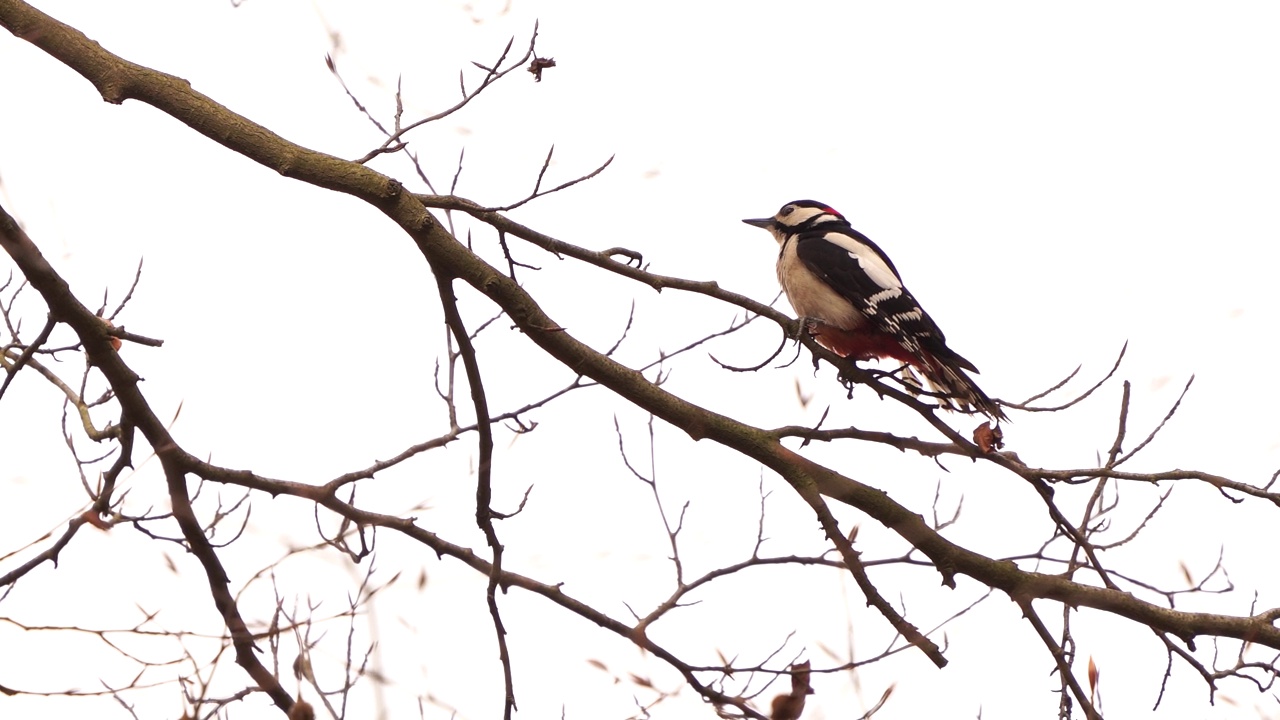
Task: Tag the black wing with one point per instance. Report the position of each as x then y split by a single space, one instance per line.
859 271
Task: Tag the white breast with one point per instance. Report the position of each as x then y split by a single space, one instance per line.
811 297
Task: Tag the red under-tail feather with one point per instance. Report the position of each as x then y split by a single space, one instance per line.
947 379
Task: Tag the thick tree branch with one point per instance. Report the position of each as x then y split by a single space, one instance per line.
118 80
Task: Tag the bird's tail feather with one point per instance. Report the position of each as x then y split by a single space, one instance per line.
955 386
943 369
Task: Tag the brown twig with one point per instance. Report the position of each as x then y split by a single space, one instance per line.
484 482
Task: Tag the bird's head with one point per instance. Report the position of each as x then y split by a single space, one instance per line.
797 216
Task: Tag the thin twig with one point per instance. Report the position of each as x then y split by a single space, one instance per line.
484 482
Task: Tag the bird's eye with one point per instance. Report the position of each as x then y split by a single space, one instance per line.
786 211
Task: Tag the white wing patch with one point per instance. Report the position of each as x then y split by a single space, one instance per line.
869 260
883 295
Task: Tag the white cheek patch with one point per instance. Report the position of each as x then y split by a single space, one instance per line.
870 262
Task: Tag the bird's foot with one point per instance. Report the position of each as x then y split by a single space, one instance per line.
805 326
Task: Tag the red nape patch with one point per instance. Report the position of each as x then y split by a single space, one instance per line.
833 211
862 344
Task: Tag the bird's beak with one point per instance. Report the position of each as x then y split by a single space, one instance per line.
765 223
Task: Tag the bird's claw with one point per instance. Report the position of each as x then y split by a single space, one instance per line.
804 326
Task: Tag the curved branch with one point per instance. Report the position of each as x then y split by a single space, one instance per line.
484 473
118 80
93 333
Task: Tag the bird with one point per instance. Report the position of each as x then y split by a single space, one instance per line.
851 299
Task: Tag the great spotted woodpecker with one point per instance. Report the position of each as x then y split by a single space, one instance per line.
853 302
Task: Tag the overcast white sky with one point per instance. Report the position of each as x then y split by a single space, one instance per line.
1051 180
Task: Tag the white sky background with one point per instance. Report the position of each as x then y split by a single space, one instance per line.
1051 182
